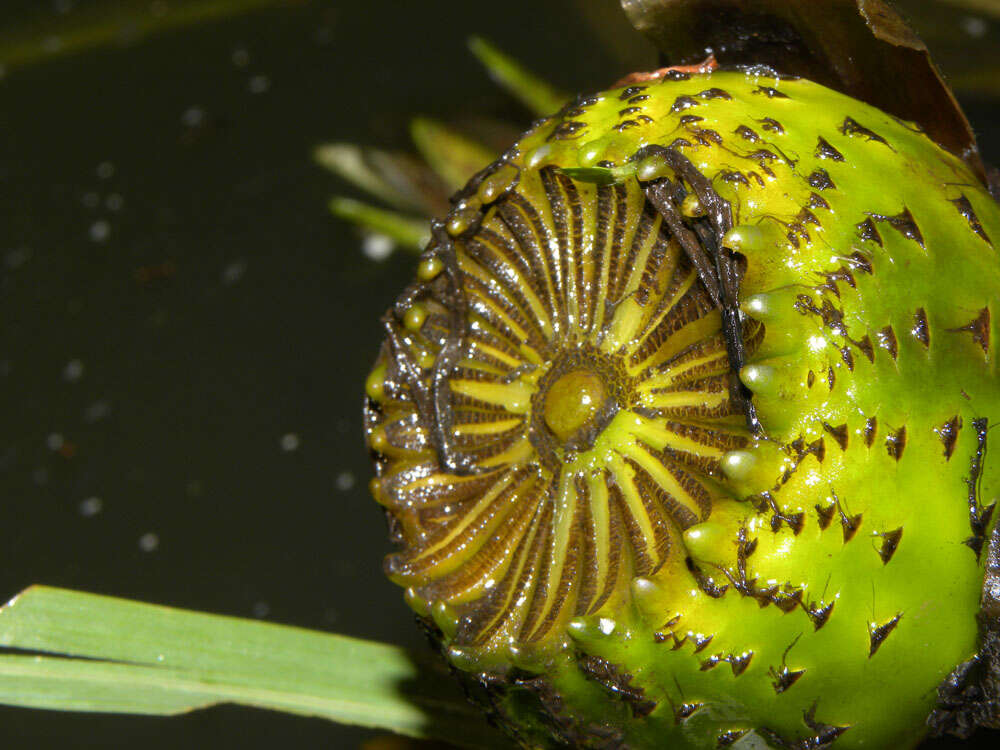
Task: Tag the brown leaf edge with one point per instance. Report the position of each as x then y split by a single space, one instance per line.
863 48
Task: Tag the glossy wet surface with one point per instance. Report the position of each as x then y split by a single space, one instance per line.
185 330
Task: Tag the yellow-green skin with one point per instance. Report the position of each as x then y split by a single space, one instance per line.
833 396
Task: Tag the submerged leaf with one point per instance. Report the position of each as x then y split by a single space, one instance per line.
451 155
862 48
410 232
534 93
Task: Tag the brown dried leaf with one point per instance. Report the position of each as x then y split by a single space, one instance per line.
862 48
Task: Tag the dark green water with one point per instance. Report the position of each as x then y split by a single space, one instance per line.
184 330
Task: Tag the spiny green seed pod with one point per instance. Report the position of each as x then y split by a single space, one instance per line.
682 428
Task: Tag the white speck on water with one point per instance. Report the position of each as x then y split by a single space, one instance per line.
91 507
96 412
16 258
377 246
975 27
73 371
91 200
289 442
148 542
258 84
100 231
261 609
114 202
344 481
234 272
54 441
105 170
193 117
241 57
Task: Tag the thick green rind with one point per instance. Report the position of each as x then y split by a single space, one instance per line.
933 579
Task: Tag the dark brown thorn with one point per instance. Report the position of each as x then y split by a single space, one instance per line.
820 179
979 328
948 432
895 443
826 514
887 340
851 126
682 103
839 434
685 710
784 678
747 134
921 330
825 151
771 125
867 231
820 615
878 633
770 92
871 430
618 682
729 737
739 663
849 524
965 208
890 541
904 223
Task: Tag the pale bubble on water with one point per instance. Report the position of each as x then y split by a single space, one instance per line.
91 507
377 246
148 542
258 84
261 609
100 231
105 170
289 442
234 272
241 57
344 481
96 411
54 441
73 371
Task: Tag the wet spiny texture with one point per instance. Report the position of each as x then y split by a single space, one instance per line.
683 428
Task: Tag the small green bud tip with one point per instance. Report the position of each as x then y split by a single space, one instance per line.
691 206
705 541
759 378
375 383
444 617
414 318
462 217
539 156
496 184
652 168
736 465
743 238
572 401
758 306
429 268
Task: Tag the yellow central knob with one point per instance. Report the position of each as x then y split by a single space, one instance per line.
572 400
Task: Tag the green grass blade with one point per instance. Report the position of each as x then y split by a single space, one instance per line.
534 93
451 155
128 657
410 233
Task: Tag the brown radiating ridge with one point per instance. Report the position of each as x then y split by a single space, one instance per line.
518 506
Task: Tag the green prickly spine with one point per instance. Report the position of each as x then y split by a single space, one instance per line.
846 533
